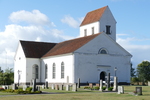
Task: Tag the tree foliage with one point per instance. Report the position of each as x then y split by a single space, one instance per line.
133 72
143 71
134 80
7 77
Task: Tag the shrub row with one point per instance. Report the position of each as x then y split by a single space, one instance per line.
20 91
97 88
1 89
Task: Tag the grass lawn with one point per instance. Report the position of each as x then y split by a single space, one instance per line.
82 95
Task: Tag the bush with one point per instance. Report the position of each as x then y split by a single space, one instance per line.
9 90
20 91
29 89
1 89
87 87
38 92
103 88
110 88
96 88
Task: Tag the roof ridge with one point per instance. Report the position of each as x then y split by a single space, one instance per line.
81 37
35 41
69 46
93 16
98 9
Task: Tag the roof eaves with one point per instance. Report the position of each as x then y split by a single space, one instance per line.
69 46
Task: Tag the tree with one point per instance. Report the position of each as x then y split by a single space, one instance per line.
132 71
143 71
135 79
1 76
7 77
1 70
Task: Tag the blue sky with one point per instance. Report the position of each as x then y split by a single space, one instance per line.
59 20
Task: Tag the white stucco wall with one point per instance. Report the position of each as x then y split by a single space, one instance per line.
68 60
24 65
89 64
88 27
19 64
30 62
108 19
100 26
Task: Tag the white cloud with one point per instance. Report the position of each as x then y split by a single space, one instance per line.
71 21
139 52
121 34
34 30
35 17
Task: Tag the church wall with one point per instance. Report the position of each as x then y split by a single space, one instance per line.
89 67
19 64
29 67
89 63
100 26
68 60
108 19
88 27
103 41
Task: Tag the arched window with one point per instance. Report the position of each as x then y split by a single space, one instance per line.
103 51
46 71
35 72
62 70
54 71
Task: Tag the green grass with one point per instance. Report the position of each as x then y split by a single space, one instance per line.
82 95
80 90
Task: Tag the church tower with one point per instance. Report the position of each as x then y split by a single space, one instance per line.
100 20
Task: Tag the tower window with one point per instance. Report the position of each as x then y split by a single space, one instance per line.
92 30
108 29
85 32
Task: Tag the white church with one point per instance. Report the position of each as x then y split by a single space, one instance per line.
90 57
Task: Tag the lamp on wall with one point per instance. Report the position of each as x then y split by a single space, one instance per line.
115 69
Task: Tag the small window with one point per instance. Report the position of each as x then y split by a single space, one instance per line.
54 71
85 32
103 51
92 30
62 70
108 29
46 71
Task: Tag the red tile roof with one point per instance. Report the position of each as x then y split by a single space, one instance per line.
93 16
36 49
70 45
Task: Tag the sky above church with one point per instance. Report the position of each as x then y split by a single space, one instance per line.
59 20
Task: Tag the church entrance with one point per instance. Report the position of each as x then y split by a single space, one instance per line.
102 76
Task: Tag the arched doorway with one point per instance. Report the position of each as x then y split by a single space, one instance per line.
102 76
